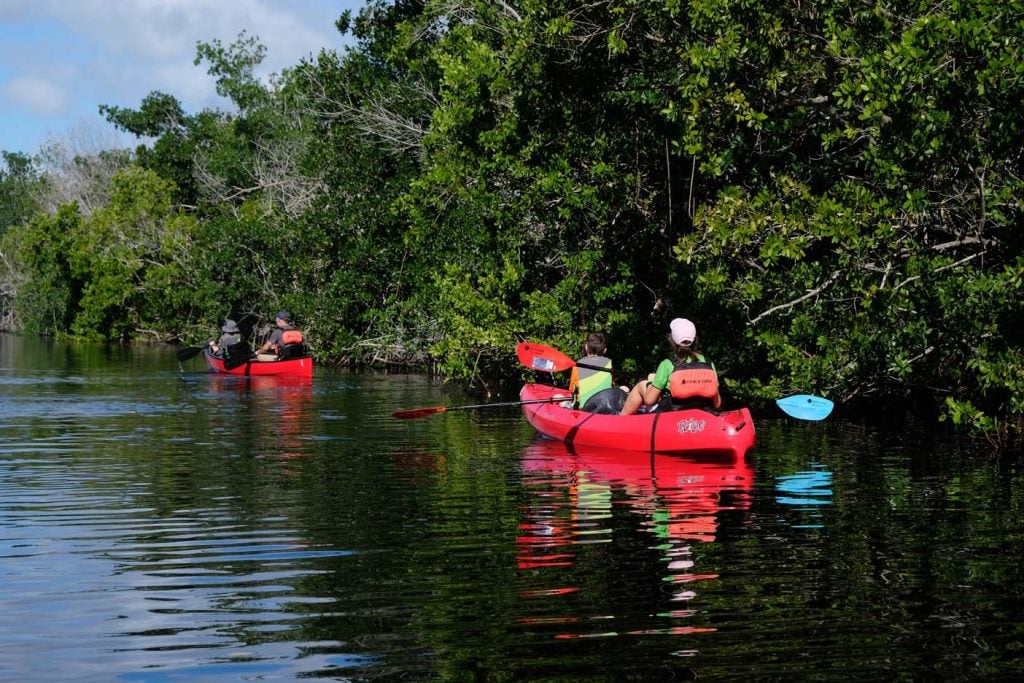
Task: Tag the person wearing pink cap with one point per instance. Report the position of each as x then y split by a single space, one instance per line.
686 380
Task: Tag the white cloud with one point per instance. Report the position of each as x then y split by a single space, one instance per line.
66 57
169 29
157 38
38 95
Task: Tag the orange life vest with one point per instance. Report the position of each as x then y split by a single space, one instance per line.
291 337
696 379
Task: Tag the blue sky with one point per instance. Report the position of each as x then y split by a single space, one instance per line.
61 59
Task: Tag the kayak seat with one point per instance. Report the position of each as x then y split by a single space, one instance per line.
698 402
606 402
289 351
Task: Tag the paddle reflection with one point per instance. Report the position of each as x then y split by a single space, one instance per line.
806 493
576 496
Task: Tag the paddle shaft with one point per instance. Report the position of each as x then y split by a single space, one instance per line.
509 404
546 359
588 366
417 413
190 351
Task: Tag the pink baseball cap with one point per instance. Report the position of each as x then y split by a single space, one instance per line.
683 331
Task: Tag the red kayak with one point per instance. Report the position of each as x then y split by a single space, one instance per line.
292 367
691 431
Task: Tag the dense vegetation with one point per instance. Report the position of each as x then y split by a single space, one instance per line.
830 189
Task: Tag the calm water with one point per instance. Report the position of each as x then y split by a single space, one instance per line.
160 525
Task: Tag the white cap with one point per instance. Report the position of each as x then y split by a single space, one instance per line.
683 331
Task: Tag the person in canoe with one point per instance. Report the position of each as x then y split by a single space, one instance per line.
591 383
686 380
284 342
229 345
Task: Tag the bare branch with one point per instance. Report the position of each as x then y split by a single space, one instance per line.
274 172
961 243
379 118
78 168
811 293
948 266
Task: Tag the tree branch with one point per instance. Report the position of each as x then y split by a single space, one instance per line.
782 307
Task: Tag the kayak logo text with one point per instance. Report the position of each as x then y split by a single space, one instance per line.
690 425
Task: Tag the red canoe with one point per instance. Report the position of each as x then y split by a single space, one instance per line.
293 367
678 431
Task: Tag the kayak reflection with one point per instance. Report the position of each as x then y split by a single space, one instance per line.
277 410
675 498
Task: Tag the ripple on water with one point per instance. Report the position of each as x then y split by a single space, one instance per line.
89 567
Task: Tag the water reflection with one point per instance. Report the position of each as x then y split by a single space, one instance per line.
165 526
147 533
806 493
575 499
281 409
150 581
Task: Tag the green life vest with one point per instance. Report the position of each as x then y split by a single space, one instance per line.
592 381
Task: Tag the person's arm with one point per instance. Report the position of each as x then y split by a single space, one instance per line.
651 394
657 383
275 339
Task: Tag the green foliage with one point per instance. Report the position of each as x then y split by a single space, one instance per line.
45 284
133 257
887 269
234 68
19 181
830 189
172 152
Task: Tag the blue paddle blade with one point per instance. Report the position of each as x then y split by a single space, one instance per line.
805 407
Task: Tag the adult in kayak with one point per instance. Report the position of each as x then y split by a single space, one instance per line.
686 380
591 379
284 342
230 344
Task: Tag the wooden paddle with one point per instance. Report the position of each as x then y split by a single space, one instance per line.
417 413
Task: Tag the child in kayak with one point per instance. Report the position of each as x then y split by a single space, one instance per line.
591 380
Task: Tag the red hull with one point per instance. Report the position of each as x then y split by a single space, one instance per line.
678 431
293 367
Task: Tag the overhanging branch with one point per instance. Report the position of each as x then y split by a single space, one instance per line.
790 304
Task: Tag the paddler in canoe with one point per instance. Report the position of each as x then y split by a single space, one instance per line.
285 341
229 346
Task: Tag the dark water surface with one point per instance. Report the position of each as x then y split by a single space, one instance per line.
165 526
